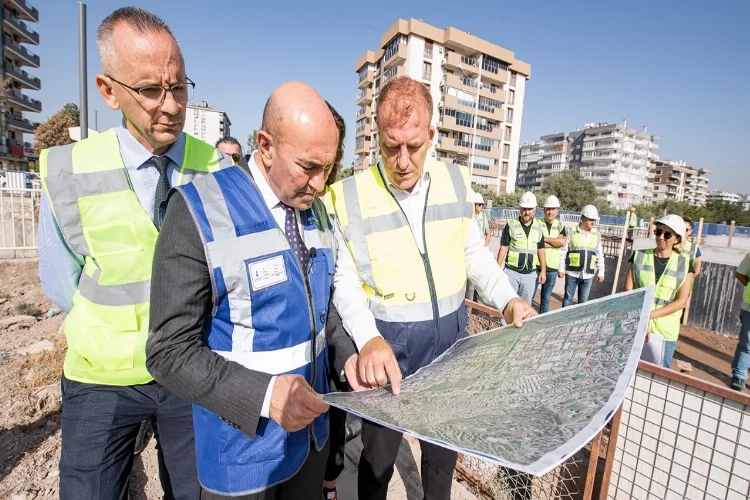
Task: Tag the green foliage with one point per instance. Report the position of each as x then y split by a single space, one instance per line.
714 211
252 141
572 189
72 108
346 172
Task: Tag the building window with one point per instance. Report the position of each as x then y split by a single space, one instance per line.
426 71
504 171
392 47
511 97
508 131
513 78
506 150
509 115
428 50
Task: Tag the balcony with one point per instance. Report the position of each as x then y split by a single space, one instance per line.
362 111
365 129
366 80
397 57
22 77
25 11
452 102
460 83
15 51
22 125
397 71
454 146
365 149
24 102
364 97
13 25
450 123
499 78
456 62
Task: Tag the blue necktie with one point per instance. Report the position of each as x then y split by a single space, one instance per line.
295 240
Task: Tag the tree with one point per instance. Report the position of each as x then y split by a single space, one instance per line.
572 189
252 141
346 172
5 87
72 108
54 132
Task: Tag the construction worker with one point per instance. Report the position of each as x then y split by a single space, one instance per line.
554 238
98 227
692 250
632 224
741 361
522 250
670 271
242 280
407 244
582 257
480 218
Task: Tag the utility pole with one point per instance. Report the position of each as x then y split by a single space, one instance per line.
476 118
82 72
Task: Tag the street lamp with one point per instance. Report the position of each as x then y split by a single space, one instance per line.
475 116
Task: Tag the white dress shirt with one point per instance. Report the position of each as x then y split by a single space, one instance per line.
279 215
582 274
482 269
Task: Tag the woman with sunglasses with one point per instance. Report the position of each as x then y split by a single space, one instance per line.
671 272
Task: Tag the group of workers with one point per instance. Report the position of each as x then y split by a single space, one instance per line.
221 296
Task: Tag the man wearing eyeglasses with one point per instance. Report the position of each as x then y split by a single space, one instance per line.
231 148
98 227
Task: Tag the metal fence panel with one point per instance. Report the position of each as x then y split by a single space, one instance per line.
19 217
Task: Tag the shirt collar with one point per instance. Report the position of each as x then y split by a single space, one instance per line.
424 178
135 155
272 201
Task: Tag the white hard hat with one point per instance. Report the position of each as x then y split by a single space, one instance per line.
590 212
478 198
675 223
528 200
552 202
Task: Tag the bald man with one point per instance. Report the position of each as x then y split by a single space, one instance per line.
240 300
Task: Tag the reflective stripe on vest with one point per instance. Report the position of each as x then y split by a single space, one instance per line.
268 315
417 299
691 250
552 255
674 275
522 252
102 219
582 249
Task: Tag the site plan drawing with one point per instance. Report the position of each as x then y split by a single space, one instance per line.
525 398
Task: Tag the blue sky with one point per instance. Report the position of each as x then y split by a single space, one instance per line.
681 67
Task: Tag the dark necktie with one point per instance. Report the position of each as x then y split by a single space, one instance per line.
291 228
162 186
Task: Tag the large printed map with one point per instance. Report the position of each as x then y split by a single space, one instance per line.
526 398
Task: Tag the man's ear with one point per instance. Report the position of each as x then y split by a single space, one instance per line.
104 84
265 147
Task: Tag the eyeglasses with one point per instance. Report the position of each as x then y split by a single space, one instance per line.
236 158
667 235
479 204
155 94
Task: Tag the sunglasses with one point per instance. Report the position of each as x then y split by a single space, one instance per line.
236 158
479 204
660 232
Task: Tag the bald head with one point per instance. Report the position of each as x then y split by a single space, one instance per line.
297 143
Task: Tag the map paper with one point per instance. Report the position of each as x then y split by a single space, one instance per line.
525 398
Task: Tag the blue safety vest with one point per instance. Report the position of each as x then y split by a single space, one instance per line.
268 315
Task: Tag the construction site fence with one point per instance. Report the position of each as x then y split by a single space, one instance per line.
674 436
19 221
573 218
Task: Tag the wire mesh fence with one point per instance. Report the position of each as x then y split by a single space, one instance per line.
488 480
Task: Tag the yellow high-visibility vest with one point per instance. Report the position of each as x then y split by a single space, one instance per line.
552 255
522 252
581 256
102 219
675 274
402 284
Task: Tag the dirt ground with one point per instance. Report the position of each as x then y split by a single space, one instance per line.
30 395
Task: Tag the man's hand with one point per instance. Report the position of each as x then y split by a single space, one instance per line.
561 274
376 365
648 334
352 374
542 278
294 404
600 279
516 311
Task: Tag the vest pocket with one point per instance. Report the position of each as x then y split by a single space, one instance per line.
112 239
107 336
269 445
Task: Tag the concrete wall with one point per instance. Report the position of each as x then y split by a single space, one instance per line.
717 299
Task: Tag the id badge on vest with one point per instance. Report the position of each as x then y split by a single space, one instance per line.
267 272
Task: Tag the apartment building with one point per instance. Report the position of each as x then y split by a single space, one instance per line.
718 195
547 156
15 152
678 181
477 89
206 122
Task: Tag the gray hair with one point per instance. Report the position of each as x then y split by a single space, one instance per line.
228 140
140 20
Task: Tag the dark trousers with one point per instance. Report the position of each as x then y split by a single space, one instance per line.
547 287
99 428
379 452
307 483
337 438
